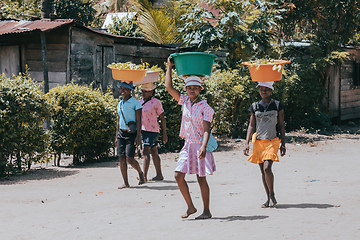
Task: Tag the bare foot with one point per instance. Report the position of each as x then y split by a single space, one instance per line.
273 201
204 215
158 178
145 179
142 179
266 204
189 212
123 186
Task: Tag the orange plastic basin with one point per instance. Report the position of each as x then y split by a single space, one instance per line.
265 73
151 76
128 75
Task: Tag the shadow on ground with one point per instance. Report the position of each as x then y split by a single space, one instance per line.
105 164
149 185
38 174
304 205
159 188
239 218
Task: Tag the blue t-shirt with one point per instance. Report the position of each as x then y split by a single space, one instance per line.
128 108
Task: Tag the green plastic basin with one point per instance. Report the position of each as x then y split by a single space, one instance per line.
193 63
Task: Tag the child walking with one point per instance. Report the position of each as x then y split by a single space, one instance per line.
265 115
195 128
152 108
129 109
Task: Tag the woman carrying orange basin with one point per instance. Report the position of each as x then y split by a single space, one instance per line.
266 114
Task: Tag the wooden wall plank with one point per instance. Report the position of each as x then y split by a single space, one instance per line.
52 66
141 51
57 46
334 88
350 104
350 110
346 84
10 60
52 55
54 77
57 55
81 60
82 48
347 73
350 113
350 98
350 92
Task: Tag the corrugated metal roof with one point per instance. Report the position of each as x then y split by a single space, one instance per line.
9 27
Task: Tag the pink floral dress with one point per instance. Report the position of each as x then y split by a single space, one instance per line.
192 129
150 112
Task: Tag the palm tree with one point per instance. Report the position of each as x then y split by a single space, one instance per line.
157 24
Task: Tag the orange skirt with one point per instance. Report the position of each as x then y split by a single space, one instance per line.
265 150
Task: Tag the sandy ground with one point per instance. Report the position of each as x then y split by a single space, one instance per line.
316 184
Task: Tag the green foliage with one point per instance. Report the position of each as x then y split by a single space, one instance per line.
125 27
326 25
230 94
22 9
302 92
275 67
129 66
84 122
244 28
332 22
81 10
172 110
157 24
23 109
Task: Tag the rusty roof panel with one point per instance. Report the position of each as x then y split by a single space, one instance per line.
9 27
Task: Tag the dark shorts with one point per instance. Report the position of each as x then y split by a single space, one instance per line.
149 138
125 144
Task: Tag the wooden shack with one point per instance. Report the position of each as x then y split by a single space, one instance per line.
58 51
344 87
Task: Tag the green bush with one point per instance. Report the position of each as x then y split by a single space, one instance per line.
227 92
23 109
303 93
230 95
84 122
231 92
172 111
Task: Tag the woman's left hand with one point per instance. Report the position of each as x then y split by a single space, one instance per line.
282 150
202 152
137 140
165 138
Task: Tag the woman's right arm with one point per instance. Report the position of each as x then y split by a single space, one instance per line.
249 133
168 81
282 132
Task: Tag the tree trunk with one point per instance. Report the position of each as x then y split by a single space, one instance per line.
46 8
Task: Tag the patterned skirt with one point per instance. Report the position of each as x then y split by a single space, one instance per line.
190 163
